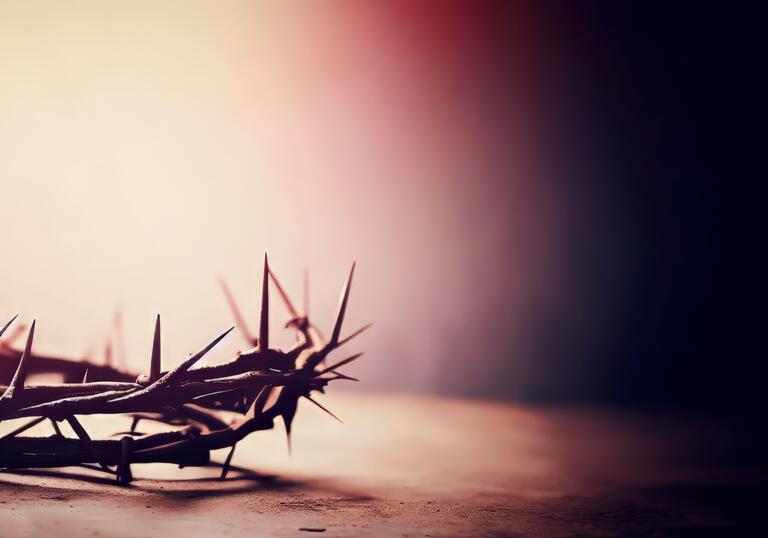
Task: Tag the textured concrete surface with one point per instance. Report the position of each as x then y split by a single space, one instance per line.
407 466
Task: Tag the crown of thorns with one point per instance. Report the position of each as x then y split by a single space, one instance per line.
259 385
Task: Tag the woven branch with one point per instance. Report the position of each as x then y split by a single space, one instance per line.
260 384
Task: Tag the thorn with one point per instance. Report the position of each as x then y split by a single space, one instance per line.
154 363
108 353
343 299
340 364
239 320
86 440
287 300
187 364
8 324
225 468
264 322
345 377
118 336
134 423
85 376
171 376
15 334
20 377
358 332
318 404
289 402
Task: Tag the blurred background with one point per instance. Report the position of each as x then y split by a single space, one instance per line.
548 201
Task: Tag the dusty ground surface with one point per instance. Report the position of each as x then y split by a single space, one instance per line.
404 466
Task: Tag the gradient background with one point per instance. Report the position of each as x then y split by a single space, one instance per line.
548 201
